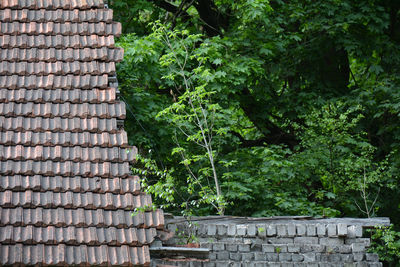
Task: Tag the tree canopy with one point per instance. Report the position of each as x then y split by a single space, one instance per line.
292 105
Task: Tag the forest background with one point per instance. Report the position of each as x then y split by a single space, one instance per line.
264 108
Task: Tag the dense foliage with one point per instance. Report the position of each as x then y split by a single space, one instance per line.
291 106
386 243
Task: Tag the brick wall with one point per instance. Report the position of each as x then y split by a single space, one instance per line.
297 241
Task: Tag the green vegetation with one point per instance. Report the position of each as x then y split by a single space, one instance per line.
386 242
260 108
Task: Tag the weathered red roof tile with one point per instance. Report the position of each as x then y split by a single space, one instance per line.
57 68
65 28
56 41
59 153
66 193
94 96
63 55
53 81
71 235
51 4
64 110
43 217
67 168
58 124
47 138
43 15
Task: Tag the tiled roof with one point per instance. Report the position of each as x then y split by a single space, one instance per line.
66 192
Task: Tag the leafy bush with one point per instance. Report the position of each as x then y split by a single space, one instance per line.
386 243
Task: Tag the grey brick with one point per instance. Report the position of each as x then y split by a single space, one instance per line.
206 245
365 241
333 264
212 256
312 248
297 257
222 264
268 248
345 249
223 255
262 230
231 247
286 264
342 229
247 256
271 256
293 247
285 256
172 227
233 240
311 230
281 248
249 241
241 230
196 264
332 249
357 247
231 230
221 229
281 230
301 229
207 239
309 257
218 246
251 230
375 264
202 229
235 256
291 230
256 247
244 247
323 257
372 257
209 264
280 240
212 229
334 258
271 230
354 231
306 240
321 229
358 256
259 256
184 264
332 229
331 241
347 257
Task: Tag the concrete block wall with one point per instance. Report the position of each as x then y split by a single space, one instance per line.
281 242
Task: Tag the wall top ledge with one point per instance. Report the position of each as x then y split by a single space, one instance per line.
364 222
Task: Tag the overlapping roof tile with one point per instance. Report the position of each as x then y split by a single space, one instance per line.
94 96
56 41
67 195
61 55
82 139
64 110
38 183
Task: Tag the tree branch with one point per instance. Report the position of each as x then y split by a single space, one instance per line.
249 143
257 112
